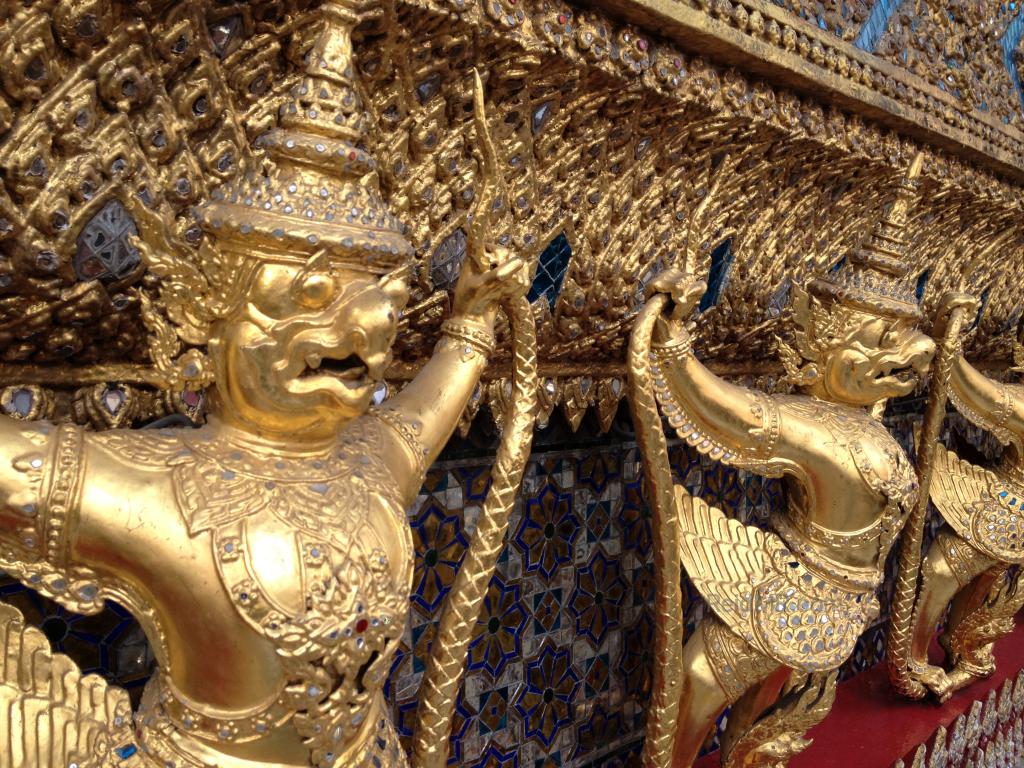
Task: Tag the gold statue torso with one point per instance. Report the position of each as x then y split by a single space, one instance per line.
841 515
301 559
808 587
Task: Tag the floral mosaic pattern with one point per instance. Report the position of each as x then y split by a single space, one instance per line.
571 604
559 670
597 599
499 632
548 531
546 701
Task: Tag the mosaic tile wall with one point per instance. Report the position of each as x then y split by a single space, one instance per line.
560 668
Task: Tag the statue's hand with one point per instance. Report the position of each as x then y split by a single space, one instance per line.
684 291
481 290
949 302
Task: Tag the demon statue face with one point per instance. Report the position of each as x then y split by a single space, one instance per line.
306 348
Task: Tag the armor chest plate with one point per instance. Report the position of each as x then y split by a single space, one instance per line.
314 554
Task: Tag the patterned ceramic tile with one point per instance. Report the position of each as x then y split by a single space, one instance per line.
548 531
499 631
546 702
597 599
440 543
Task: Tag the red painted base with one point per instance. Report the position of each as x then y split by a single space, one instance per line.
871 727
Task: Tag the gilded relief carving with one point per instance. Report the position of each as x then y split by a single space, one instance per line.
958 47
637 154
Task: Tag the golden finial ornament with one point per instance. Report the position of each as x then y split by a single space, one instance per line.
318 190
876 277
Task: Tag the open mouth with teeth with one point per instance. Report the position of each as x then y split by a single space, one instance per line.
351 370
903 375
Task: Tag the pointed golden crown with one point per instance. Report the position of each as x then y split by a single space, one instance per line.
876 278
318 190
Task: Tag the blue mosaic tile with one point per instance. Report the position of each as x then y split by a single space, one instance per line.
499 630
440 543
548 531
547 700
598 597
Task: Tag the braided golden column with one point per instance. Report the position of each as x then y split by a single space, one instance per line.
902 612
668 644
458 619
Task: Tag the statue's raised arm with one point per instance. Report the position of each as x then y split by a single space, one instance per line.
726 420
995 406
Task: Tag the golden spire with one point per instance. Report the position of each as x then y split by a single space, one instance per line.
876 277
318 190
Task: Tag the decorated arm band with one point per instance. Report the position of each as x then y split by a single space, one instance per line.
474 337
678 348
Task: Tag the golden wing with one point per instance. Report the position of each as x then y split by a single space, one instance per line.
983 507
51 716
723 557
957 486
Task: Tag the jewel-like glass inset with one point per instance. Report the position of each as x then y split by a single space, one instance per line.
551 269
103 251
446 261
114 399
922 284
224 35
20 403
718 274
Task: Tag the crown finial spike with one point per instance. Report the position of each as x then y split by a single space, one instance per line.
886 249
875 277
905 194
318 190
326 101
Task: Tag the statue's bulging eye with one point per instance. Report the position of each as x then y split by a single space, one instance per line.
316 290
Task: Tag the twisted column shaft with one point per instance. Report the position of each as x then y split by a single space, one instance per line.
447 660
663 713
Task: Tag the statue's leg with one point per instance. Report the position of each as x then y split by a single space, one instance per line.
755 701
949 566
751 705
970 631
970 598
718 667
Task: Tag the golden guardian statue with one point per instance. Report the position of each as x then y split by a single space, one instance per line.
966 566
265 554
795 598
